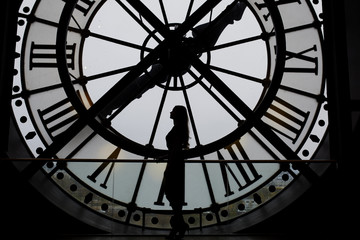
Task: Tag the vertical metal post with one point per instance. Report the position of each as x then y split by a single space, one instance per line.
336 67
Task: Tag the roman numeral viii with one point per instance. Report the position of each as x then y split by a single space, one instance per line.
58 117
84 6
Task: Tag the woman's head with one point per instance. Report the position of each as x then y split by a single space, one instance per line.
180 117
179 114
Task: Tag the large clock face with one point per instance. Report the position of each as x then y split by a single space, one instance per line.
97 79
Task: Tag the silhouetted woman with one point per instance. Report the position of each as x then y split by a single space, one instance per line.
176 140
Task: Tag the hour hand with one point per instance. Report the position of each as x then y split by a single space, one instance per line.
236 12
209 33
136 88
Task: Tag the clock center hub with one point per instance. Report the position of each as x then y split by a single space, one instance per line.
175 59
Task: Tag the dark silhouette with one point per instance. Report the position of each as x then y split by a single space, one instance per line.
174 176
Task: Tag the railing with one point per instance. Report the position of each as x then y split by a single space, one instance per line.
160 161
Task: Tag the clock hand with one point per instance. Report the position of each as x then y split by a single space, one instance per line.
204 36
207 34
136 89
199 14
185 27
221 87
132 84
149 16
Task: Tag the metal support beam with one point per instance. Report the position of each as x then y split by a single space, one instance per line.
336 70
88 160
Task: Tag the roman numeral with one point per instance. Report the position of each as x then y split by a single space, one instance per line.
44 56
286 119
305 59
279 2
247 171
84 6
58 117
103 166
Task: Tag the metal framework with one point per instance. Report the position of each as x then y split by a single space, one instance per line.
157 161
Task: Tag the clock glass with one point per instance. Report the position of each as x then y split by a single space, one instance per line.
96 81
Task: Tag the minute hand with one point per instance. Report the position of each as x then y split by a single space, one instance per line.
208 34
